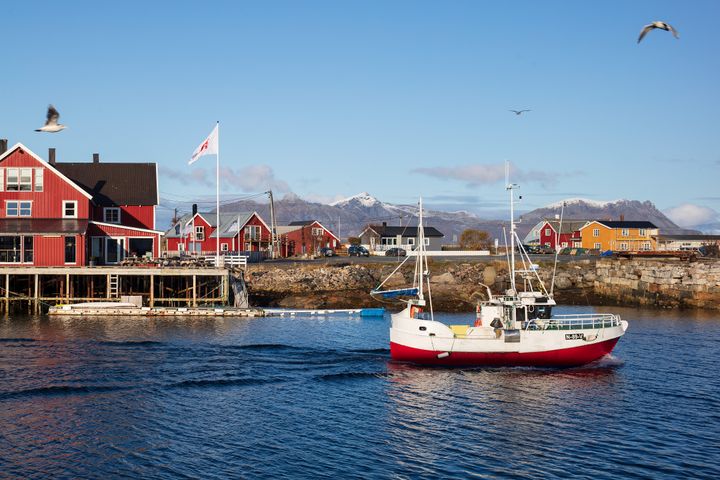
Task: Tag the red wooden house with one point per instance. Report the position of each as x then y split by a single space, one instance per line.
197 232
305 237
568 236
65 214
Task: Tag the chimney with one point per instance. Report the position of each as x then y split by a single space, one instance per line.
3 145
51 156
96 158
384 224
194 208
622 218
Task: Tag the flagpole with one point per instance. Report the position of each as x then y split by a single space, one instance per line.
217 199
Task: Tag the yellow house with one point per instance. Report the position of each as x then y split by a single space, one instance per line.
619 236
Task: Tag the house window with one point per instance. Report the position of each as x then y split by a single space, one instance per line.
10 249
646 246
2 179
177 229
28 249
69 209
39 179
181 247
564 244
18 209
577 244
199 233
598 246
427 242
252 232
642 232
625 232
623 246
111 215
411 241
19 179
70 250
224 247
317 232
547 232
596 232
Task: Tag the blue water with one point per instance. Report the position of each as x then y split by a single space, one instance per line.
313 397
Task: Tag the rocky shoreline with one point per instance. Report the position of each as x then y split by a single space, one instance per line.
456 287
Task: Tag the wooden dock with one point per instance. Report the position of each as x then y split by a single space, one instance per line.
159 286
70 310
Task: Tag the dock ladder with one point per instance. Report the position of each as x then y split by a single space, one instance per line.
113 285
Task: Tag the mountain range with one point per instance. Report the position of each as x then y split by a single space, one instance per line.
350 216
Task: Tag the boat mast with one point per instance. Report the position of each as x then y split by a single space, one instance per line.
509 187
421 252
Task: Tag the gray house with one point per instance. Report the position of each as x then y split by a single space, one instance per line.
383 237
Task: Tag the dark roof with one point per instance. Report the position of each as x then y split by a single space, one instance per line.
689 237
300 223
568 225
43 226
112 184
627 224
388 231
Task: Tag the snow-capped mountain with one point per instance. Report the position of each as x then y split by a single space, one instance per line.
350 216
581 209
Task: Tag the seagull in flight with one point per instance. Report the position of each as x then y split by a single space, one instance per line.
518 112
51 124
661 25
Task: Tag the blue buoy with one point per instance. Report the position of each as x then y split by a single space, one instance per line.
372 312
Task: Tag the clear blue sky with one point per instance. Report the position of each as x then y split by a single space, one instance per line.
327 99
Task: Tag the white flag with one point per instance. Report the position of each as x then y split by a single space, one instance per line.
208 147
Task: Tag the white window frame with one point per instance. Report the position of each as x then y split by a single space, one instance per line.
642 232
39 180
181 247
623 246
15 184
598 246
17 208
64 207
625 232
106 210
199 233
596 232
317 231
28 174
224 247
411 241
547 232
427 241
2 179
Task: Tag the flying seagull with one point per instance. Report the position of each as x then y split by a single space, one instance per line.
661 25
51 124
518 112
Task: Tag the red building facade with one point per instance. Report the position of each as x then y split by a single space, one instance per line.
569 236
197 233
305 238
54 214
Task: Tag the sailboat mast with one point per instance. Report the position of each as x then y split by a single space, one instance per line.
509 188
421 252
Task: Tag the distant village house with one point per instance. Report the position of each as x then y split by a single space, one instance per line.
305 237
383 237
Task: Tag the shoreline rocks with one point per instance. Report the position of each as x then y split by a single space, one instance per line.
456 287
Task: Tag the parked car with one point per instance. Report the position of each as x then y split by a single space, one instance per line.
326 252
358 251
395 252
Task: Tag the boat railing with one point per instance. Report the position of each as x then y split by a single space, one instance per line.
576 321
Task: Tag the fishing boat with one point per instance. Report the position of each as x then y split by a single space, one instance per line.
513 328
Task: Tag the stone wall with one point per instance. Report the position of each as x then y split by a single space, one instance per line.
458 286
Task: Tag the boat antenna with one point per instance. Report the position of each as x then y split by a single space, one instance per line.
509 187
557 248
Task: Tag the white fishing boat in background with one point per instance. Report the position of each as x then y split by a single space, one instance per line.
512 328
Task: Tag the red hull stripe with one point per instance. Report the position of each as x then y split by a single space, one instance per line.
566 357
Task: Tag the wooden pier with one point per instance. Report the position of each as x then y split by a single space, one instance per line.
36 287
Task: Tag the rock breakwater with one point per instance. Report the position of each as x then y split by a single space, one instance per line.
457 286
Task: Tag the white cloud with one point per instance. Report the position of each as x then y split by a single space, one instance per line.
689 215
475 175
254 178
